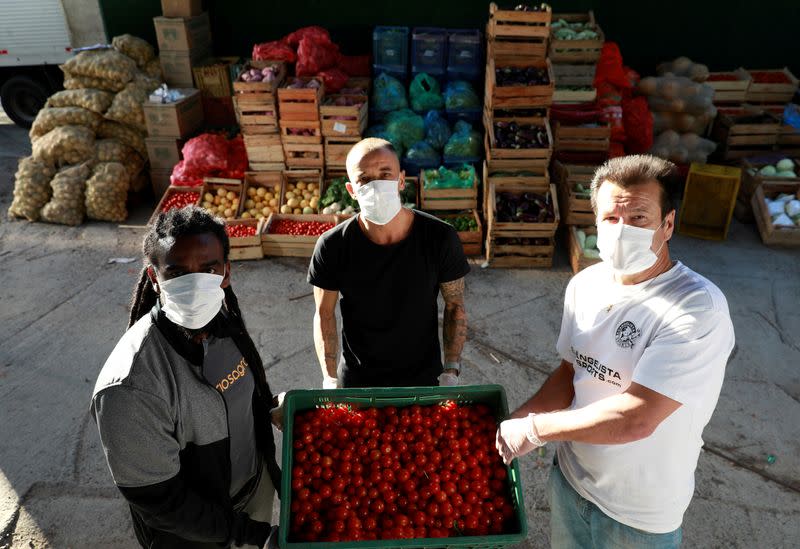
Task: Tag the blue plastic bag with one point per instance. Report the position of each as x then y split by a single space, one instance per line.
437 130
389 94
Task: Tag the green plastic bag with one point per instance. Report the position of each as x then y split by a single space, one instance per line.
405 128
389 94
425 93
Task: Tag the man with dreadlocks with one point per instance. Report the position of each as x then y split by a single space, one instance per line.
182 403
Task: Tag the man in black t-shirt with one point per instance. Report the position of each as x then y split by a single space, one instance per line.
388 264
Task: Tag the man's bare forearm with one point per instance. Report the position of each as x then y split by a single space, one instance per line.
454 324
556 393
326 343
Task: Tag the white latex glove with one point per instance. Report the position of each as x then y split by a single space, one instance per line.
276 414
330 383
446 379
272 540
517 437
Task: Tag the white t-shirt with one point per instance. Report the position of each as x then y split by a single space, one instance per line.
672 334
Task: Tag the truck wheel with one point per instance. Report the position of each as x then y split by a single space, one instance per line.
22 97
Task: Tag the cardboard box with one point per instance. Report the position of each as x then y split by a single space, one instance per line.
177 66
164 152
177 120
214 76
178 34
159 180
181 8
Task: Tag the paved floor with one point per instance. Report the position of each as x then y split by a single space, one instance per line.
63 307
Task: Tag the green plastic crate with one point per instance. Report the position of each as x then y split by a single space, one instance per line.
492 395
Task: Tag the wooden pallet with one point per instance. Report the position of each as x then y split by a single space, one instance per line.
770 234
574 210
577 259
448 199
300 104
730 91
517 158
580 75
739 140
576 51
771 93
471 241
497 228
313 125
265 152
581 138
349 121
499 97
510 256
289 245
336 151
246 247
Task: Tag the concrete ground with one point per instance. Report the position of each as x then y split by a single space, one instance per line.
64 306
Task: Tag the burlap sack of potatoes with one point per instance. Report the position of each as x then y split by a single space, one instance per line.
134 47
31 188
106 64
65 145
114 150
94 100
77 82
128 107
69 189
130 136
107 192
153 69
49 119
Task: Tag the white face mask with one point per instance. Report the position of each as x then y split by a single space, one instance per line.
626 248
379 200
192 300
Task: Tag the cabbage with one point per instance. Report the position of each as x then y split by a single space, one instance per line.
793 208
785 165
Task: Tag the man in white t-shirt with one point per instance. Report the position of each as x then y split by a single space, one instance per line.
644 343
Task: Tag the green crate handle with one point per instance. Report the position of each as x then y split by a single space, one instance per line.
494 395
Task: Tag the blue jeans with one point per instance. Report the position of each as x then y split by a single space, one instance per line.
576 523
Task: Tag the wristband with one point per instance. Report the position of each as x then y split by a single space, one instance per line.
533 433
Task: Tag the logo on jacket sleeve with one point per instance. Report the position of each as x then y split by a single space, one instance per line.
627 334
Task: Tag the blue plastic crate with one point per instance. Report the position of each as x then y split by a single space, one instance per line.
453 162
429 50
390 47
413 167
473 116
465 53
401 73
474 77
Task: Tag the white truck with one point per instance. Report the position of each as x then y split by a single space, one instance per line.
35 37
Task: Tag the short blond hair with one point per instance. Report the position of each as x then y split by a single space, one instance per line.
366 147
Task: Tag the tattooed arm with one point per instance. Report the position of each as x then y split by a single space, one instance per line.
326 338
455 319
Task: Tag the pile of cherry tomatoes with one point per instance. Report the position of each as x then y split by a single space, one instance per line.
240 230
179 200
299 228
397 473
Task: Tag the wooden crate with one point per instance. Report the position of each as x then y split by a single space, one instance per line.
770 234
750 182
501 254
739 138
256 118
517 48
576 51
574 210
313 125
169 192
265 152
582 138
518 158
304 155
448 199
300 104
272 181
580 75
566 95
497 228
286 245
771 93
577 259
336 151
214 184
531 178
246 247
729 91
350 121
499 97
709 197
471 241
292 177
518 24
259 92
213 76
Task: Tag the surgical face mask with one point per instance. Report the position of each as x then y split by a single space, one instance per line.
379 200
626 248
192 300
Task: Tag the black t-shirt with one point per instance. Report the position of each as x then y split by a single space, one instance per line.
388 299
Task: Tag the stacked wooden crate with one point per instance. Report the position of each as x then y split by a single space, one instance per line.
344 119
300 123
519 140
574 61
